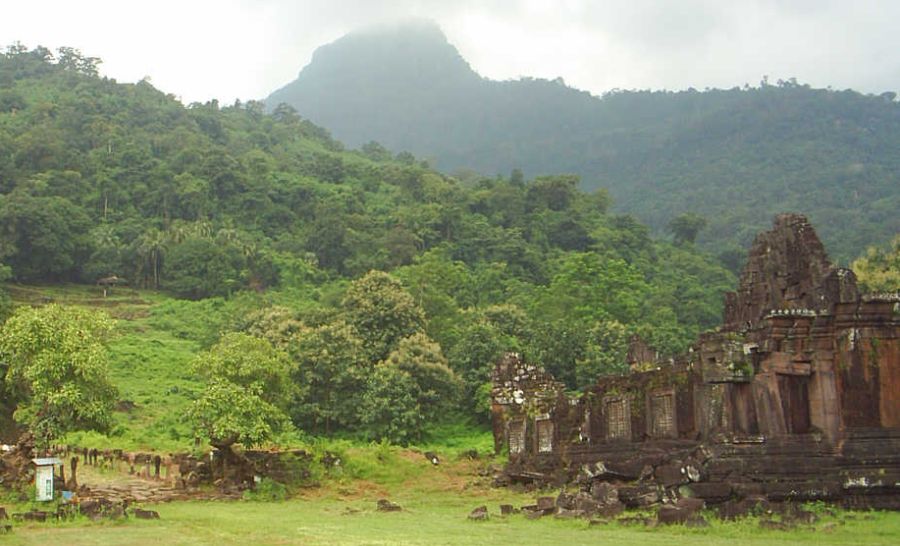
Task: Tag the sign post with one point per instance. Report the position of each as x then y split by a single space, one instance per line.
43 478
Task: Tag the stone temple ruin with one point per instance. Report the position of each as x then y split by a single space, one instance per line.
795 397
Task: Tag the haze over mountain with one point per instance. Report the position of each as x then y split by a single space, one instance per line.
735 156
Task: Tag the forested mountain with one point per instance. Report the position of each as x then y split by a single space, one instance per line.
734 156
99 179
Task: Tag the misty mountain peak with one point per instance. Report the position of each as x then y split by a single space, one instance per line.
412 50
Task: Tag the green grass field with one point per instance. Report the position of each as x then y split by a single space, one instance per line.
436 518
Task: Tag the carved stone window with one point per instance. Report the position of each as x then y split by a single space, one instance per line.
544 428
516 437
661 414
618 418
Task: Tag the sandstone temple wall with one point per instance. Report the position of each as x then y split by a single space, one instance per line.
797 396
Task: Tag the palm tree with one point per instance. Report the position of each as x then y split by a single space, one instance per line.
151 248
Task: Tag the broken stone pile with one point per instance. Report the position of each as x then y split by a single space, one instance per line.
603 504
95 509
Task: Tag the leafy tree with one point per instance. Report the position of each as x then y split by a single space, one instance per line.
685 227
436 387
388 407
5 302
276 324
57 369
247 394
382 312
605 354
331 367
199 268
879 269
553 192
479 344
42 237
593 288
559 346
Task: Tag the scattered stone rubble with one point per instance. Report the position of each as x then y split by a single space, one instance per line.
795 398
384 505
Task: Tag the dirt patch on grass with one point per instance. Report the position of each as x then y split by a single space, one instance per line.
351 491
449 476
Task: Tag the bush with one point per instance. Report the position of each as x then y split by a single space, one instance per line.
267 490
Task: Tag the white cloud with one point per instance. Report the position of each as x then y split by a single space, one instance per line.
244 49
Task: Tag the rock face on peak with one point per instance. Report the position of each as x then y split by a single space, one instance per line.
381 81
416 50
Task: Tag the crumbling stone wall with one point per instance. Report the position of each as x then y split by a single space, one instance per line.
797 397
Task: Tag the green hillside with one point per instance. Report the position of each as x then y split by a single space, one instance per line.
735 156
263 224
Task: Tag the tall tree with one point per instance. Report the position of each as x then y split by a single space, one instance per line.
57 369
247 394
685 227
382 312
331 365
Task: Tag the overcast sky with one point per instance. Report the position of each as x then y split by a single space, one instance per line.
229 49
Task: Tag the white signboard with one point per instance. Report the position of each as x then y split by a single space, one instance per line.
43 482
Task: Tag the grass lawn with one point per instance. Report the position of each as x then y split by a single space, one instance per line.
439 518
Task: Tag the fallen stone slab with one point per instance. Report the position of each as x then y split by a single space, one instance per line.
639 496
690 504
587 504
669 515
634 520
696 521
385 505
565 501
710 491
34 515
562 513
534 514
671 474
604 492
681 512
479 514
145 514
611 510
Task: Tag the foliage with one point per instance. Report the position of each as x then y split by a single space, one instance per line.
5 302
200 268
388 406
479 345
685 227
347 260
58 369
382 312
736 156
605 353
267 490
276 324
411 388
331 369
436 386
879 269
247 393
45 236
